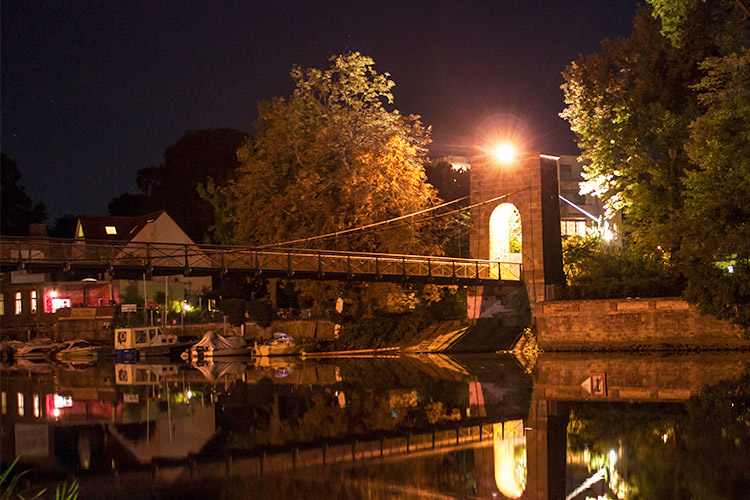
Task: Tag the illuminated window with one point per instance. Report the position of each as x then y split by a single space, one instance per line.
3 403
2 304
19 303
33 302
573 228
37 406
110 229
60 304
20 404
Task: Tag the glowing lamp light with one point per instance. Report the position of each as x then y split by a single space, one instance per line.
612 457
504 153
185 307
189 394
608 235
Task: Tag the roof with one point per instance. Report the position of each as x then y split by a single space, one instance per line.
112 228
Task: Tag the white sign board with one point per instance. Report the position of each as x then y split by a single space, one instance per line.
128 308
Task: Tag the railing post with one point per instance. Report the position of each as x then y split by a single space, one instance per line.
257 262
377 268
403 266
320 266
149 267
289 271
186 272
349 266
453 267
223 264
429 268
476 270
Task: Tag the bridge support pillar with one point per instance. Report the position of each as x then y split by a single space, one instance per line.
530 185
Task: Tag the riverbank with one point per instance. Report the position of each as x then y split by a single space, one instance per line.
666 323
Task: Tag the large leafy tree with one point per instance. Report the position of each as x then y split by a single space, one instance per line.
662 119
329 157
18 210
195 158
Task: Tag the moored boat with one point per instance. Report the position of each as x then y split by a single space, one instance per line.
280 345
215 345
144 341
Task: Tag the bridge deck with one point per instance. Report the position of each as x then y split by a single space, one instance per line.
129 259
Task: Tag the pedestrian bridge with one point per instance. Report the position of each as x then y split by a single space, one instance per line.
133 260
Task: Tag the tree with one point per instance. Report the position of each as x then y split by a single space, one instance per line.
662 119
630 106
331 157
63 227
18 210
198 156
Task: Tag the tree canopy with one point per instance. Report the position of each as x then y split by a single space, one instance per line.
18 209
329 157
195 158
661 119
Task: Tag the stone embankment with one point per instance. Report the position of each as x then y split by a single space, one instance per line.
632 324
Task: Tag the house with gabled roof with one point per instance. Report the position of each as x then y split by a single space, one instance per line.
53 304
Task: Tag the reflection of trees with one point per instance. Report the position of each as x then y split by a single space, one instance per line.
701 450
264 414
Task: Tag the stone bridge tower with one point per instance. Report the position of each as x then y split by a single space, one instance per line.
528 187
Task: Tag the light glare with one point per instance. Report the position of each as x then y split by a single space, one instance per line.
504 153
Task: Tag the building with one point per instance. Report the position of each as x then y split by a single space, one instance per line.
70 305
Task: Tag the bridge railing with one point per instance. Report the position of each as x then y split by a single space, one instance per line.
173 258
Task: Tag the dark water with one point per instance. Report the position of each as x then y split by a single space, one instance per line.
481 426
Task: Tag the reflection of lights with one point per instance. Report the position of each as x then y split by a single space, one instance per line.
189 394
612 458
730 269
665 437
56 412
53 294
608 235
185 306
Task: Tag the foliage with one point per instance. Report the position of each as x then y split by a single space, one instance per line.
234 310
451 184
662 119
195 158
385 329
330 157
63 227
17 210
261 311
596 270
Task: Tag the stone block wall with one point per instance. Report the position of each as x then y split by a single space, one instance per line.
652 324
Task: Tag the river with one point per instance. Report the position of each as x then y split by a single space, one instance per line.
563 426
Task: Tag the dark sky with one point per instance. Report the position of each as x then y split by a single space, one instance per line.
94 90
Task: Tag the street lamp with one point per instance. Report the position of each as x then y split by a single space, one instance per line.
504 153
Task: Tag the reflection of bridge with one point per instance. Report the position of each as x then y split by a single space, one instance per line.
132 260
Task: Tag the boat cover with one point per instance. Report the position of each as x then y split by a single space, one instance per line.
215 341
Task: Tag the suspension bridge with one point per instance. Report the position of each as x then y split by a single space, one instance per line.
130 260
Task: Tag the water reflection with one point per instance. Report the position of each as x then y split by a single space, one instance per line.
408 427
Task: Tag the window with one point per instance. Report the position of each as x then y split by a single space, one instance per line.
110 229
3 403
565 174
573 228
33 302
37 406
2 304
20 404
19 303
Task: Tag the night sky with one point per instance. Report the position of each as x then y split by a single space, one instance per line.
94 90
